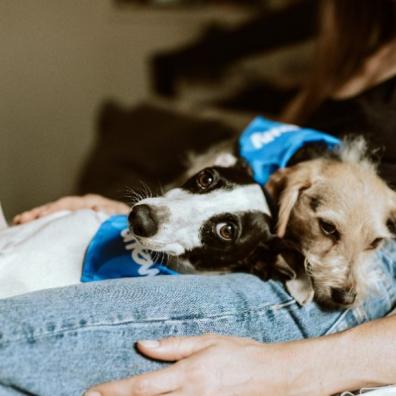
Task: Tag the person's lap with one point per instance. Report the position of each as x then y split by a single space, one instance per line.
61 341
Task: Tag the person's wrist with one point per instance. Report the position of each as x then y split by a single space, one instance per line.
358 360
286 369
301 372
309 367
324 366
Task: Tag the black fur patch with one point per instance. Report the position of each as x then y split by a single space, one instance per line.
311 151
250 245
225 178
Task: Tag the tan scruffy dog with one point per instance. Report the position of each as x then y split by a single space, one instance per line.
334 213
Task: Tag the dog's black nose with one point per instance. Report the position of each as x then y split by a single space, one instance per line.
342 296
143 221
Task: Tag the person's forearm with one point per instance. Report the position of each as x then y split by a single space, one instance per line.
360 357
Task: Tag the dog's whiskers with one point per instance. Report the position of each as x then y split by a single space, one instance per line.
137 194
146 189
155 257
132 195
162 258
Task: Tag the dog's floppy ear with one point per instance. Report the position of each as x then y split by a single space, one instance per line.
285 186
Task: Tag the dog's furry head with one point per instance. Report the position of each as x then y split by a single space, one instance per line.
219 220
334 213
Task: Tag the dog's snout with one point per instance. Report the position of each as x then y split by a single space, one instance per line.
343 296
143 221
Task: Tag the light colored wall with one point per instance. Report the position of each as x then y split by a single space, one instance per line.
58 60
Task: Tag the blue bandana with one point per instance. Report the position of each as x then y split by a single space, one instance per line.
269 145
265 145
114 253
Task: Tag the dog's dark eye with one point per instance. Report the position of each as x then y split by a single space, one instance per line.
373 245
205 179
226 231
329 229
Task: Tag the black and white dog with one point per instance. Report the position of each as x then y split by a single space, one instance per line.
219 220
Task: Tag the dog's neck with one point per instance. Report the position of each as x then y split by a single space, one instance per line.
309 152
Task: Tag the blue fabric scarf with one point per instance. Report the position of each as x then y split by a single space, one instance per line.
114 253
269 145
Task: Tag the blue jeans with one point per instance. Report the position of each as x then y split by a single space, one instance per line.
61 341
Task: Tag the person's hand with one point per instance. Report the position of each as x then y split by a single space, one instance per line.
89 201
208 365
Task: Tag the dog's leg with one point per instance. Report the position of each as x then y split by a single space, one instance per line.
299 283
301 289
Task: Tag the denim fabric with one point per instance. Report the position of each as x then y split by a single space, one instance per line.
61 341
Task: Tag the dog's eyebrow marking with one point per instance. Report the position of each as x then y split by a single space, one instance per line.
314 203
331 216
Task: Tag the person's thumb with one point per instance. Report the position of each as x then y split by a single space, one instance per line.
174 348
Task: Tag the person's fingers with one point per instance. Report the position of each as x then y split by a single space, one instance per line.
111 208
29 215
123 208
42 211
17 219
89 201
70 203
175 348
66 203
159 382
101 204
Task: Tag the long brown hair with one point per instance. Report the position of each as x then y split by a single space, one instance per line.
349 31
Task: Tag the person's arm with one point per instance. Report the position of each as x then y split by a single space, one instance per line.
363 356
88 201
219 365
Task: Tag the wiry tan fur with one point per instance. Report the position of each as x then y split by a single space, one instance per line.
347 192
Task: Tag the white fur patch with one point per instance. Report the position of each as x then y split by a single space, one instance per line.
225 160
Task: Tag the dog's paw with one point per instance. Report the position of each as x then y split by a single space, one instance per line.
301 289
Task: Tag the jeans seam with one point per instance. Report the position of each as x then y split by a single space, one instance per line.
46 334
337 322
284 305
